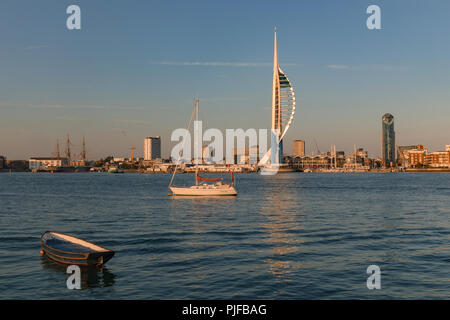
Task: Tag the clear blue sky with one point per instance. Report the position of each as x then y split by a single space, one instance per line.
137 65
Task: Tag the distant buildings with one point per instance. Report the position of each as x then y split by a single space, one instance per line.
439 159
17 165
417 156
298 148
335 160
246 155
152 148
403 155
359 157
388 140
38 163
2 162
420 157
320 161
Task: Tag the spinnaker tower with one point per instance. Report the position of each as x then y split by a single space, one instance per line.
283 110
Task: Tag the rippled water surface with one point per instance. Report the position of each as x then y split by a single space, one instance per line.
290 236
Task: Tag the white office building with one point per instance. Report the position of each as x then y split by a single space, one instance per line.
38 163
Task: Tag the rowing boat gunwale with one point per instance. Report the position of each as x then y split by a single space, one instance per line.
98 256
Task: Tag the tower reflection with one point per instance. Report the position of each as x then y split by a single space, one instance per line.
284 223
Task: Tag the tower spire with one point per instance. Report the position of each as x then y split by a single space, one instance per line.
275 51
276 105
276 115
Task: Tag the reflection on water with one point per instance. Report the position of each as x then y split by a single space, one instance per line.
92 277
284 227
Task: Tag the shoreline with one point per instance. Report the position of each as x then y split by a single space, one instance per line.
435 170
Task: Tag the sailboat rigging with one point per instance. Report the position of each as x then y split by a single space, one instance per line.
203 189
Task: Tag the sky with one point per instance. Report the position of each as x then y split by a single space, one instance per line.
136 66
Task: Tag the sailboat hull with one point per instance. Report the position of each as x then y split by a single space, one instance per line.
204 190
272 169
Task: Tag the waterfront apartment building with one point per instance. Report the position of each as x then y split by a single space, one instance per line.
298 148
320 161
417 156
40 163
439 159
403 155
152 148
388 140
420 157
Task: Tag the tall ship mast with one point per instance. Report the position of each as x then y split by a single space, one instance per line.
68 156
83 150
58 154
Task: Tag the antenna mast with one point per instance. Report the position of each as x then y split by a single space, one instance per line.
196 146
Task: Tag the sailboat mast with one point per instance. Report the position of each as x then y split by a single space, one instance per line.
196 145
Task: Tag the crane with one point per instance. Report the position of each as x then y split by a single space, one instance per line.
317 146
132 146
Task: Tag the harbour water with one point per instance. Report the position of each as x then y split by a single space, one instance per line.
289 236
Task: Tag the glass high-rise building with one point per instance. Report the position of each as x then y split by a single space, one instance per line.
388 140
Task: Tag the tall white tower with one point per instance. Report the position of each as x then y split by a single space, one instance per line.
283 109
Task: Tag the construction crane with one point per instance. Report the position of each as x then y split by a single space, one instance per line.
132 146
57 154
317 146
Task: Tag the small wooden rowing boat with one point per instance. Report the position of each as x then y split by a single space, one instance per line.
67 249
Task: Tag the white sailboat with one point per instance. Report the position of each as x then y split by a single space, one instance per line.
201 188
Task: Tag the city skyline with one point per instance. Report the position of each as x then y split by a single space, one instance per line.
123 72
